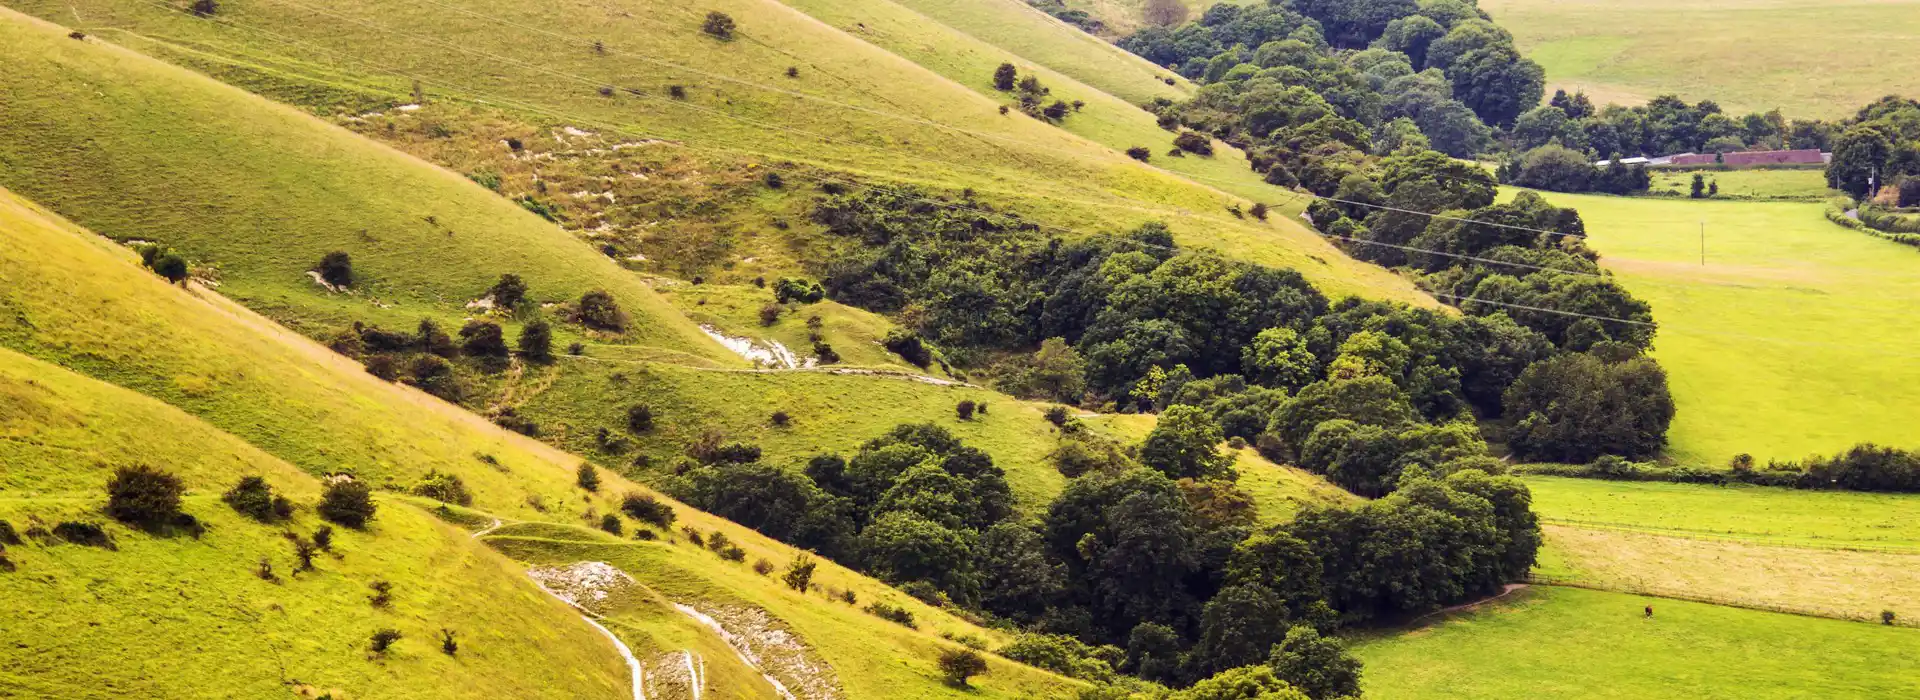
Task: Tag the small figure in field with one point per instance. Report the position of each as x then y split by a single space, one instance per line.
1649 612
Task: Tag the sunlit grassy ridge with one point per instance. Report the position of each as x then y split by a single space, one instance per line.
139 150
543 63
1790 340
1551 642
1843 53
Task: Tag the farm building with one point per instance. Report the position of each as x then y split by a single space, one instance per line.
1748 159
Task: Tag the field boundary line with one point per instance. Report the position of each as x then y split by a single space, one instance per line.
1672 594
1711 536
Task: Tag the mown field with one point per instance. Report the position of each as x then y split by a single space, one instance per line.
1819 518
1783 183
1808 58
1793 339
1554 642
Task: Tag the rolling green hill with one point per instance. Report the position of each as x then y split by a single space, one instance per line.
934 131
1844 53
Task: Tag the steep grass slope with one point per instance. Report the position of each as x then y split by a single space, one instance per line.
1844 53
80 302
536 62
1015 26
1552 642
139 150
1792 339
188 616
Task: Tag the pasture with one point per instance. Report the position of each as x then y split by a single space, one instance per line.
1792 339
1753 513
1756 183
1808 58
1555 642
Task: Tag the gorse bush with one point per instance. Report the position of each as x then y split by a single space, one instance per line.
893 613
646 508
347 502
336 268
144 496
718 24
587 477
598 310
611 524
639 419
443 487
536 341
254 498
799 574
383 639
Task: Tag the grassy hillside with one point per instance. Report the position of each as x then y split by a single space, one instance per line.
1843 53
1123 17
530 67
1551 642
261 192
1787 342
1017 27
188 617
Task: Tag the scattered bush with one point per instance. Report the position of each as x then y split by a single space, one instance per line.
793 71
143 496
645 508
383 639
382 594
762 567
1886 617
443 487
204 8
348 503
825 353
264 570
780 419
1140 153
908 345
957 665
894 614
447 645
797 290
800 573
694 536
84 534
678 92
639 419
770 314
1194 142
483 339
576 349
536 341
8 535
323 537
964 409
719 25
587 477
598 310
303 551
1259 211
336 268
1004 77
611 524
386 367
849 597
254 498
1057 415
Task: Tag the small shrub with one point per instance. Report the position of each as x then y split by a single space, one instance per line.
719 25
793 71
447 645
77 35
611 524
849 597
323 537
536 341
1057 415
204 8
303 552
1194 142
144 496
587 477
336 268
8 535
443 487
780 419
733 553
171 266
1003 109
84 534
645 534
1237 442
1886 617
798 290
825 353
964 409
383 639
957 665
694 536
386 367
678 92
762 567
598 310
894 614
639 419
254 498
382 594
348 503
511 419
6 565
576 349
774 181
264 570
1004 77
770 314
719 541
510 290
1259 211
908 345
483 339
645 508
799 574
1140 153
1056 111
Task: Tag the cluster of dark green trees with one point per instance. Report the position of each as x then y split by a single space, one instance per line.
1877 154
1301 81
1664 125
1864 467
1556 168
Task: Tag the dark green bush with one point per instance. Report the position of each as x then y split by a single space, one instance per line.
957 665
348 503
587 477
894 614
443 487
598 310
383 639
611 523
536 341
645 508
143 496
254 498
719 25
336 268
85 534
639 419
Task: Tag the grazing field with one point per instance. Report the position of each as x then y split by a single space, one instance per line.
1809 58
1794 338
1752 513
1781 183
1553 642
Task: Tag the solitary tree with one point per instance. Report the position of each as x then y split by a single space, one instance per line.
348 503
508 292
1699 186
800 572
536 341
587 477
957 665
171 266
719 25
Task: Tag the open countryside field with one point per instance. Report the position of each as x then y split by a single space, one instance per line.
1755 183
1793 338
1759 514
1809 58
1554 642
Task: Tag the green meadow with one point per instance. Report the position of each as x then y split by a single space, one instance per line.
1753 183
1792 339
1554 642
1759 514
1808 58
